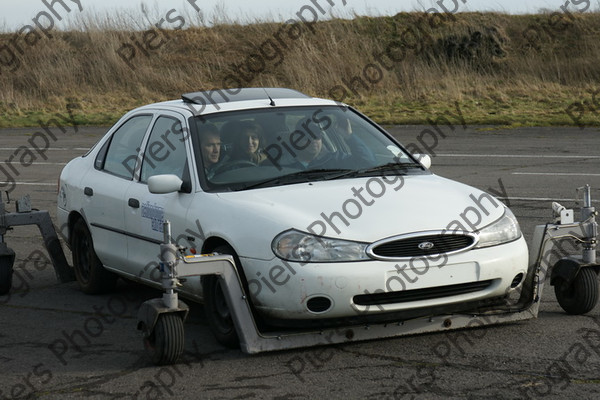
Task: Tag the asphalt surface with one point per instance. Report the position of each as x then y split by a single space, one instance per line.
56 342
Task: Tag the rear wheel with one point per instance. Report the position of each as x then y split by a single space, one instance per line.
91 275
581 295
165 343
217 311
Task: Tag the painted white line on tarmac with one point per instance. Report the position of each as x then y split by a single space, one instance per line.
48 149
46 163
31 183
514 156
554 173
437 155
542 199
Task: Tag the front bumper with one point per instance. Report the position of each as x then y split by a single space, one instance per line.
289 291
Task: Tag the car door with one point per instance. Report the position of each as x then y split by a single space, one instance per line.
105 186
165 152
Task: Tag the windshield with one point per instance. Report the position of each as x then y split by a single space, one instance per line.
278 146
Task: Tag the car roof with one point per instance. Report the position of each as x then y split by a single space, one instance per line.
218 100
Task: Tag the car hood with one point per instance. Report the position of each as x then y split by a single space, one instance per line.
364 209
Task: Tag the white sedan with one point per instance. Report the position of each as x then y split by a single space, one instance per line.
329 219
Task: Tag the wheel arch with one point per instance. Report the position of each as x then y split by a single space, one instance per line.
213 242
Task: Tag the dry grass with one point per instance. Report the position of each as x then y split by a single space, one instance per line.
501 68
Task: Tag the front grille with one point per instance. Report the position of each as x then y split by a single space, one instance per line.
430 245
404 296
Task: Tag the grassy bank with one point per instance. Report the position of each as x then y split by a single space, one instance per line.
501 69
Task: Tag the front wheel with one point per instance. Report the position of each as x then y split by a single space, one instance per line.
91 275
165 343
217 312
581 295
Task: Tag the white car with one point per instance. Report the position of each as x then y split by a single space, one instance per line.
329 219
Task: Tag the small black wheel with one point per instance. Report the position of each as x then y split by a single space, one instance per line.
581 295
6 271
91 275
165 343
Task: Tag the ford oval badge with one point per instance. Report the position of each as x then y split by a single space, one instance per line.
426 246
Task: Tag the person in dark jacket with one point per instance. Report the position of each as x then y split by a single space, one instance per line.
248 142
210 147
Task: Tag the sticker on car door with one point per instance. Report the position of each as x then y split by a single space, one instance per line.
156 215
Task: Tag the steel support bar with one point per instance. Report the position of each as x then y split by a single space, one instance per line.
253 341
42 219
545 248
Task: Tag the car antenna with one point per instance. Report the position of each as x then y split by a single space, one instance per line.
272 103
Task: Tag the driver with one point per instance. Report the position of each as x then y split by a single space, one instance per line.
210 147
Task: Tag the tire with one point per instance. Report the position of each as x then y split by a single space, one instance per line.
165 344
6 272
217 312
91 275
581 295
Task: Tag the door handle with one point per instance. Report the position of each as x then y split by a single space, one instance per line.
88 191
134 203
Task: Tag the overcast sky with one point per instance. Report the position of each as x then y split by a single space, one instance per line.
17 13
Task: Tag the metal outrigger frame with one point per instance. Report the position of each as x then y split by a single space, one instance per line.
161 320
25 215
574 278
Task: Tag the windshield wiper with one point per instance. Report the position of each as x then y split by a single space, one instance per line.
301 176
389 167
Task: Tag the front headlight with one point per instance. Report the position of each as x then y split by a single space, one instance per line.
506 229
298 246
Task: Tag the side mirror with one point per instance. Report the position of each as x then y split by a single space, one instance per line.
424 159
163 184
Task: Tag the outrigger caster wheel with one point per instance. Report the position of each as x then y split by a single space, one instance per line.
581 295
165 343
